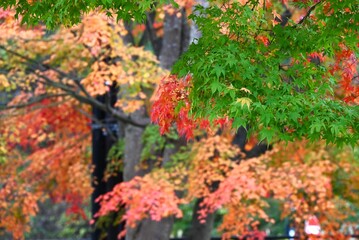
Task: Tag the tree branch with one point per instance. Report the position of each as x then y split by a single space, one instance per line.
285 16
102 106
88 99
311 9
36 100
42 66
90 116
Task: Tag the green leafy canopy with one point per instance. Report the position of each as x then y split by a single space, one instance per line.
68 12
268 88
271 88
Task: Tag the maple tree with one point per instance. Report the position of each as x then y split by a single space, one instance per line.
303 187
54 76
245 74
274 76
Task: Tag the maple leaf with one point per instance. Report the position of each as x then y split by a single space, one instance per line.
244 101
245 90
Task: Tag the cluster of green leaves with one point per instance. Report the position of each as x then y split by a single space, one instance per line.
152 142
114 158
68 12
3 150
272 87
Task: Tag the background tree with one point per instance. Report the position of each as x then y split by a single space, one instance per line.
81 63
54 89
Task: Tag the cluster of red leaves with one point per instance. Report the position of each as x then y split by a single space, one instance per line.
170 93
241 193
148 197
263 39
210 165
75 201
54 133
303 188
54 166
63 173
38 126
17 206
172 106
346 66
241 187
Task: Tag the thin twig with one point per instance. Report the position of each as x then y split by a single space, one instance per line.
311 9
36 100
75 94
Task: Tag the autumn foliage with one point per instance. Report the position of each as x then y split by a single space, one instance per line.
46 127
275 76
172 106
55 165
151 197
300 181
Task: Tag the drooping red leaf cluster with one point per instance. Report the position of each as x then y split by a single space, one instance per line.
75 202
346 66
172 106
143 197
170 93
40 121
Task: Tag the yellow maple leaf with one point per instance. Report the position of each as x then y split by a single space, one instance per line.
245 90
244 101
4 83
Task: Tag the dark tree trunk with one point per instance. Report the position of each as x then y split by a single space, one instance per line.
132 158
114 229
198 230
171 45
105 132
133 147
99 153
